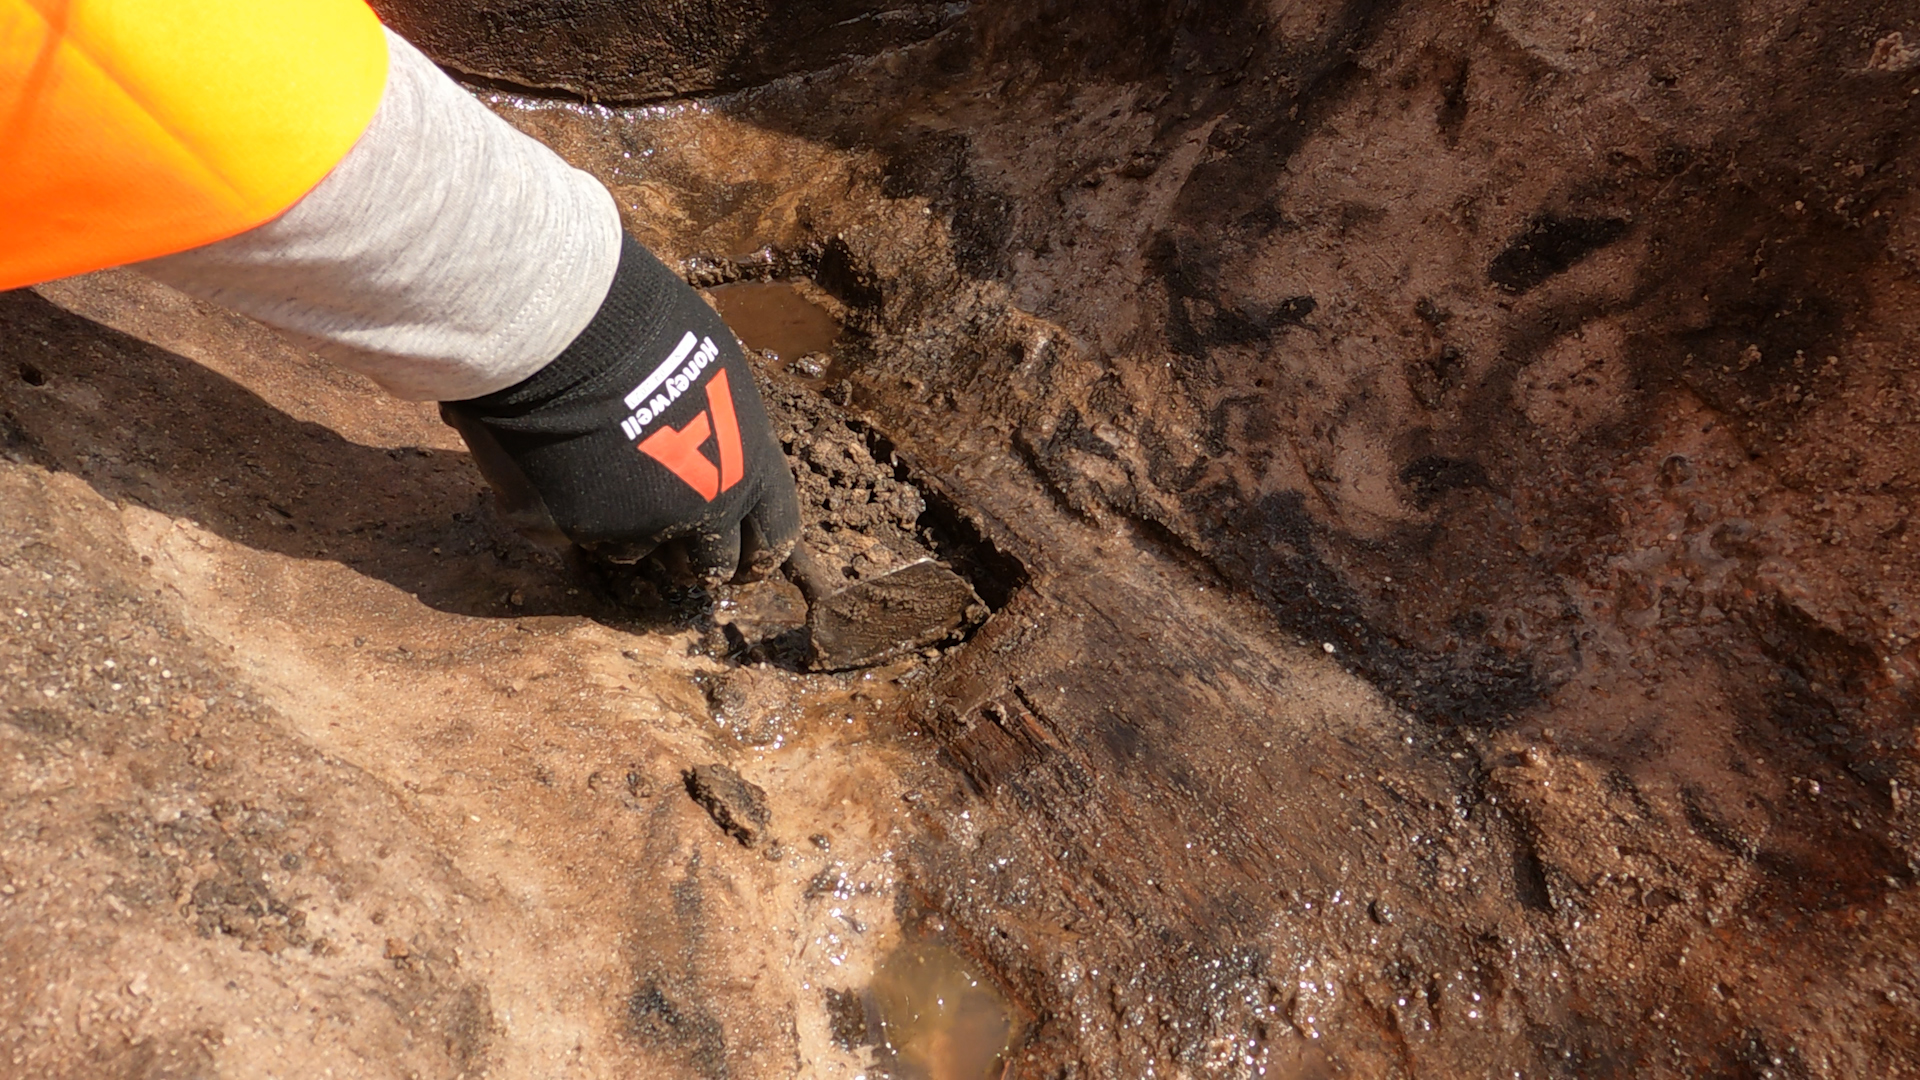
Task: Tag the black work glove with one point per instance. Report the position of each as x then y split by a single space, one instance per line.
646 431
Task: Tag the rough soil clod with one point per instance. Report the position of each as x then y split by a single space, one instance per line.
737 805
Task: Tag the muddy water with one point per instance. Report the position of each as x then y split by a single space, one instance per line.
938 1018
773 316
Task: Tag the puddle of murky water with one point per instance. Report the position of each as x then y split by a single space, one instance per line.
938 1019
772 315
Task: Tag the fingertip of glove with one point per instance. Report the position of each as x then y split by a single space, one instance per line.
764 546
714 556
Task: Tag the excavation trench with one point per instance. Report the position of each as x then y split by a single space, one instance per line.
1441 477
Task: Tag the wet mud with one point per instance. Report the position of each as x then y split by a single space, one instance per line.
1375 408
1440 477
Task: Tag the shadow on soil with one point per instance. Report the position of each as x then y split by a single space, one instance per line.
141 424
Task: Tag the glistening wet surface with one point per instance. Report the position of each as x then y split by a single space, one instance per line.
938 1019
1360 892
1345 325
773 316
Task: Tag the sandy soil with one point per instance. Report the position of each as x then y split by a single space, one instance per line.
316 770
1442 473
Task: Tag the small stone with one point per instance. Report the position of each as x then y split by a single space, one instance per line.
847 1017
811 365
737 805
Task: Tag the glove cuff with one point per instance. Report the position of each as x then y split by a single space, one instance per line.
592 366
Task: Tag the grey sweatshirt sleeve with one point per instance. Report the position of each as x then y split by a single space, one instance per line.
446 256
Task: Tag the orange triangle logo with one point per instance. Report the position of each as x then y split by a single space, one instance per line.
679 448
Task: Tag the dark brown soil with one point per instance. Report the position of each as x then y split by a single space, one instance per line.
861 515
1502 420
1442 473
1549 369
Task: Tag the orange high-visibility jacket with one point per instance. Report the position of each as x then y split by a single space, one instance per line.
131 129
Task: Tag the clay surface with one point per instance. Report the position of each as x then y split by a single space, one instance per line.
1526 369
1441 473
314 765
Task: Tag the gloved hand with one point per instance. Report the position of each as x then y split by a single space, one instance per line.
646 431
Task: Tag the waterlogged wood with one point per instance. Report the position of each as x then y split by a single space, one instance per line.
1200 843
882 617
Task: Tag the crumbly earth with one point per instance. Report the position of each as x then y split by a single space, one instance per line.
861 518
1443 472
861 515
